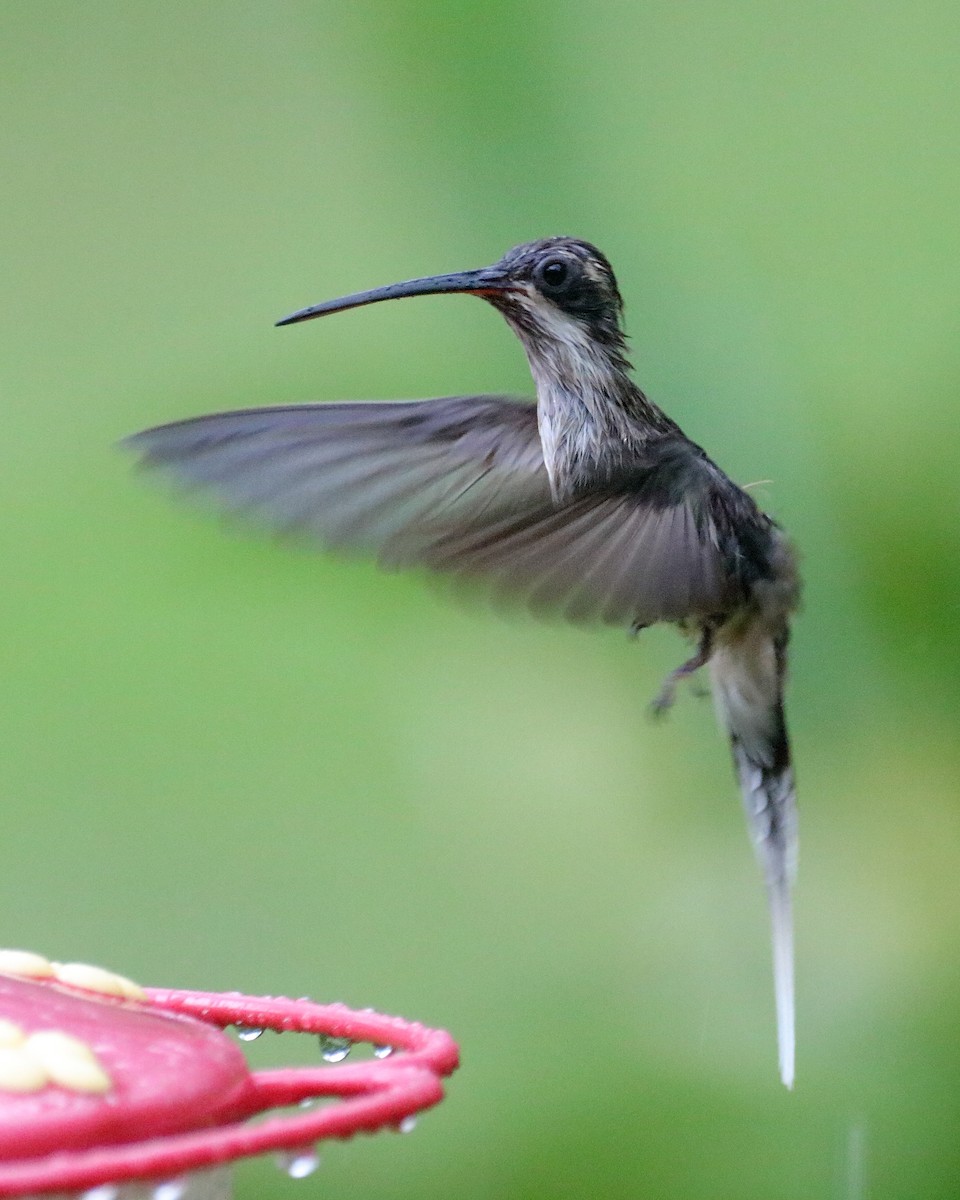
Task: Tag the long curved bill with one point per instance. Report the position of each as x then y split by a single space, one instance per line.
484 282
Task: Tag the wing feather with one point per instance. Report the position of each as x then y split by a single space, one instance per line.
458 485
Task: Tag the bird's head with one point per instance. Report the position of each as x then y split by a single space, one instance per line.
558 287
555 290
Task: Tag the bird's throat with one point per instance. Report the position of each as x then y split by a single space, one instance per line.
592 418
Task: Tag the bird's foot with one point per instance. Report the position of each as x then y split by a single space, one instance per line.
664 699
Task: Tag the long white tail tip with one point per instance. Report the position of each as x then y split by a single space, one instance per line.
781 923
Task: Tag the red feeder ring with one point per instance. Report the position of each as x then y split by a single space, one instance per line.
102 1082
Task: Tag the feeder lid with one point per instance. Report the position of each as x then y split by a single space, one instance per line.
93 1067
103 1082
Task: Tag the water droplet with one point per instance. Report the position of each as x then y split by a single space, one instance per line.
248 1033
307 1102
333 1049
408 1124
173 1189
298 1164
382 1051
106 1191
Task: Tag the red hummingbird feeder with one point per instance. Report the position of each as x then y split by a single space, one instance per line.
110 1090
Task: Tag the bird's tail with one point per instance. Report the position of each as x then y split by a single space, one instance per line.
748 666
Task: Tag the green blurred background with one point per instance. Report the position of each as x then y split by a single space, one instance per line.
230 764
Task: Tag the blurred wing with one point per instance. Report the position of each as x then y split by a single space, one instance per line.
379 477
458 485
622 557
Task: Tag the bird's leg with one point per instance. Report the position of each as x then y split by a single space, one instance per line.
668 692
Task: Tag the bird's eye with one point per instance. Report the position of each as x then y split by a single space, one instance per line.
554 273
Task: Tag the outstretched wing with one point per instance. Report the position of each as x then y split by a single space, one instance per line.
459 485
369 476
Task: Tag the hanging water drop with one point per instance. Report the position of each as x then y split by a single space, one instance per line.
334 1049
172 1189
106 1191
298 1164
382 1051
408 1124
248 1033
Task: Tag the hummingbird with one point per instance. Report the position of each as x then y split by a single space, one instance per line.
591 504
